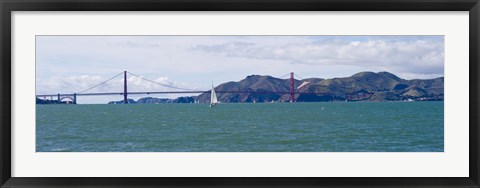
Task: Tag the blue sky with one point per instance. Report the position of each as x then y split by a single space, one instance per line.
68 64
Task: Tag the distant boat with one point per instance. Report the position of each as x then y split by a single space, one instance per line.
213 98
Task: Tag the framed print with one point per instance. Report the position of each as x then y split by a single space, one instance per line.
239 93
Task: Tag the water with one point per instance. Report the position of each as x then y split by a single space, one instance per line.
260 127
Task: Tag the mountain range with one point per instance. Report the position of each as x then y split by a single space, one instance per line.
363 86
152 100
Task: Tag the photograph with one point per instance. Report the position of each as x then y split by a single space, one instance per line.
239 93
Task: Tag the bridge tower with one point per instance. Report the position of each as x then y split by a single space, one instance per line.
292 88
125 87
74 98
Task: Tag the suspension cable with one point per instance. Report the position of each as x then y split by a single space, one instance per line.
169 86
284 75
101 83
298 76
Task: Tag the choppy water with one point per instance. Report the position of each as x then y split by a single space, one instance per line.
260 127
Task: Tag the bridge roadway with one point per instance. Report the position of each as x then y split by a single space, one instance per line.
169 92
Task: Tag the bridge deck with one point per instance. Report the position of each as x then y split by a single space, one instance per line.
169 92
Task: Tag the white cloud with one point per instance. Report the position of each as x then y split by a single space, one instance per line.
413 56
77 84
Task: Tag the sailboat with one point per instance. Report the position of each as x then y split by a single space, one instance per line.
213 97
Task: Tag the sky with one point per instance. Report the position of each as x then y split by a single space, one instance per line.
70 64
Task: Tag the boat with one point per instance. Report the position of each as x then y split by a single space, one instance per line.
213 97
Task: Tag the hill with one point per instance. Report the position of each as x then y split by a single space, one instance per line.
152 100
363 86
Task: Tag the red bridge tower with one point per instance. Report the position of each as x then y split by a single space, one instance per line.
125 100
292 88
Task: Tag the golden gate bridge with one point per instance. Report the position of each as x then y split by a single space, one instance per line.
125 92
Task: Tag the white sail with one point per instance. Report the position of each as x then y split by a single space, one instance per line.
213 97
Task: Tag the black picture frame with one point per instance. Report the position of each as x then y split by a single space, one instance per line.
7 6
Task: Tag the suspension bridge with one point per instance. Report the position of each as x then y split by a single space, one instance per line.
176 90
